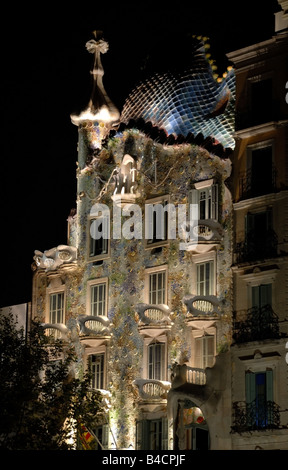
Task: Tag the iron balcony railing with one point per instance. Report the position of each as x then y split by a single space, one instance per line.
253 185
257 248
255 324
255 416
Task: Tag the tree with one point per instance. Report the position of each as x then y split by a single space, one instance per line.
41 400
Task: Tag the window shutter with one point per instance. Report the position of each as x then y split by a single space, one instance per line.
269 385
208 351
255 296
265 295
250 387
164 443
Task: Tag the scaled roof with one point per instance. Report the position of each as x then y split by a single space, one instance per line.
192 102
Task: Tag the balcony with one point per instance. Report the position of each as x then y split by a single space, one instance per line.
152 389
183 375
55 331
257 248
148 314
255 416
198 305
94 325
259 184
255 324
201 235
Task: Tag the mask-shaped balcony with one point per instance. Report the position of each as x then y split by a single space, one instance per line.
55 331
149 315
94 326
198 305
150 390
202 235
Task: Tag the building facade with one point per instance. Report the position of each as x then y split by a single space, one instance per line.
160 303
259 182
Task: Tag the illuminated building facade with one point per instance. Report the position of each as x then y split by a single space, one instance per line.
150 311
259 378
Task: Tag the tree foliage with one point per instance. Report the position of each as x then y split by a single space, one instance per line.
41 400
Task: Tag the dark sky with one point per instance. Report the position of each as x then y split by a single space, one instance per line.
45 78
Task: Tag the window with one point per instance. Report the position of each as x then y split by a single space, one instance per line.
102 435
259 398
156 361
261 100
98 302
205 195
96 364
156 221
261 172
204 352
152 434
157 288
205 278
261 295
56 308
260 239
99 237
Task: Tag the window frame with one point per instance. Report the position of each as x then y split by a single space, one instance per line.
160 200
49 293
211 201
90 285
148 273
198 335
148 341
106 250
95 377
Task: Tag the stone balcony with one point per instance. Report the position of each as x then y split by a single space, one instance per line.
94 325
149 315
205 233
198 305
150 389
55 331
183 375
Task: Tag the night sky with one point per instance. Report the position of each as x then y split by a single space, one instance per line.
45 77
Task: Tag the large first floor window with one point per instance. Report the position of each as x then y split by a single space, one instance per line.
102 436
56 307
96 363
156 361
152 434
204 351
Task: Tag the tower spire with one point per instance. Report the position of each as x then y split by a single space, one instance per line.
100 108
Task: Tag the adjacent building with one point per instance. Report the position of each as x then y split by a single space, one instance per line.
259 189
172 284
